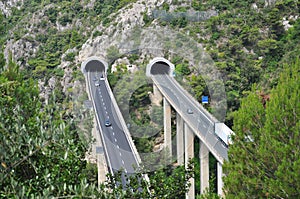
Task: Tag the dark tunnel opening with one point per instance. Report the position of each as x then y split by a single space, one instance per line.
94 66
160 68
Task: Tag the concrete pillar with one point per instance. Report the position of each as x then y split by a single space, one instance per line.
219 178
101 169
179 139
204 167
189 153
167 126
156 93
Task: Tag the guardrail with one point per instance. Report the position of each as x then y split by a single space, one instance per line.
195 102
124 126
195 130
99 126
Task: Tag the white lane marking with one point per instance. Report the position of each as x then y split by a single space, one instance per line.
120 154
106 112
122 161
104 107
118 146
191 101
112 128
101 99
113 133
103 103
115 140
125 170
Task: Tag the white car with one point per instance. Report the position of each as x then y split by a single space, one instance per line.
189 111
102 77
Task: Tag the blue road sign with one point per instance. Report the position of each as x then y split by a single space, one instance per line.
204 99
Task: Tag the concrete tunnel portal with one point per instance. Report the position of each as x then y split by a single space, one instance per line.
160 66
94 64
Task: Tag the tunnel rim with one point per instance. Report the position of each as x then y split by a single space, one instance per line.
156 60
93 58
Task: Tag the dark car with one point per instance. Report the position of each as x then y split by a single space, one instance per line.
107 123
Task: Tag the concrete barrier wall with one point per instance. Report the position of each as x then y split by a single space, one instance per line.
124 126
97 119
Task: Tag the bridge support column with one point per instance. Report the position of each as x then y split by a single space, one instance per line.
179 139
157 95
219 178
167 126
189 153
204 167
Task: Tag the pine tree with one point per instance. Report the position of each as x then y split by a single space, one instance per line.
264 158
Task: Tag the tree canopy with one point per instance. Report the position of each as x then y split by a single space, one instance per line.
264 157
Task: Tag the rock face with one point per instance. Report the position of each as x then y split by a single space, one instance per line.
6 6
124 22
286 21
269 2
22 48
121 33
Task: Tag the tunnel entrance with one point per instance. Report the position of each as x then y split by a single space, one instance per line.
95 66
160 68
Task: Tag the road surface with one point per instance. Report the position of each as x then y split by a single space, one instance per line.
200 121
118 152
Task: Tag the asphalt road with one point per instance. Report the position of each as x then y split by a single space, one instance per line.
200 121
117 148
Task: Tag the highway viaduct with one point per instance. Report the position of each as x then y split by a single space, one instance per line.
119 149
200 123
192 120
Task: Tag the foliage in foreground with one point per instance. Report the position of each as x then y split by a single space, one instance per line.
264 159
41 150
167 182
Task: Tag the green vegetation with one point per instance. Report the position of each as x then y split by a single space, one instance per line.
42 151
169 182
248 45
265 153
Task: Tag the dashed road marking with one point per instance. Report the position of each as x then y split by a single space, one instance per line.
120 154
118 146
122 161
115 140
